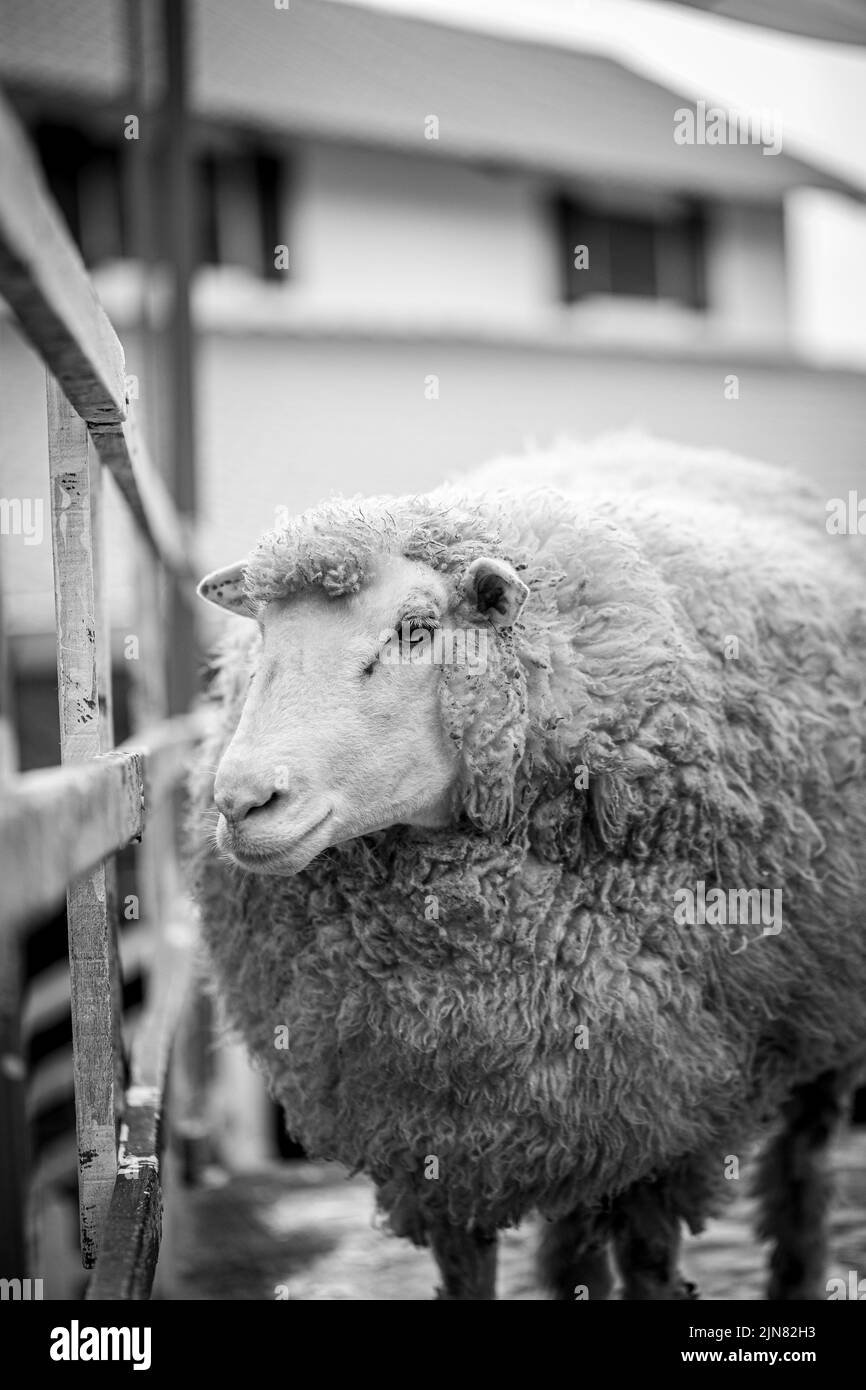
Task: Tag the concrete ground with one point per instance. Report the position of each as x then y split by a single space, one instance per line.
304 1231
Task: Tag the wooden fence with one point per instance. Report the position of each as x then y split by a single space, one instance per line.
59 828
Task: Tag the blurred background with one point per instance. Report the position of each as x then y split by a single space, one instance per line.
338 242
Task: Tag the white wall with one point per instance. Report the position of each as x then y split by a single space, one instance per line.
747 288
285 419
376 229
827 261
352 416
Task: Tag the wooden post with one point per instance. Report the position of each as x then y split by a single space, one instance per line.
8 741
177 145
84 694
13 1125
105 738
148 675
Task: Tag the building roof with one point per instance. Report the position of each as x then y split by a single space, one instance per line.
842 21
346 73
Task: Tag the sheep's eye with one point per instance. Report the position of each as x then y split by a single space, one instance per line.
411 627
376 659
397 645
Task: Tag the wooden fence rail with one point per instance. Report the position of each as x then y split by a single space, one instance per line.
44 281
60 828
56 824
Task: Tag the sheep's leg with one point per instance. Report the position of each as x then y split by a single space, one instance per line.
467 1263
794 1189
572 1258
647 1243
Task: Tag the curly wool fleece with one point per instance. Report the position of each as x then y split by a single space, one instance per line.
433 983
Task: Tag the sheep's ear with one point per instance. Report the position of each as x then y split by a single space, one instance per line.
225 588
496 590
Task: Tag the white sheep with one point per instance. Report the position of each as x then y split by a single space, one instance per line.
455 889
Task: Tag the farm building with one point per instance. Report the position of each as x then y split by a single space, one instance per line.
395 271
381 237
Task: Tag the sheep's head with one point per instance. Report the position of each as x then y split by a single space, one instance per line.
359 706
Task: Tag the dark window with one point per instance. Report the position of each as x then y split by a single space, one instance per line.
207 231
269 197
239 193
655 257
84 175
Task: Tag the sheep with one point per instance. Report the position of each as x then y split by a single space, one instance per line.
496 930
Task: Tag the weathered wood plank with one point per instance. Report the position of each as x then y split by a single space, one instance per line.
84 708
160 878
133 1227
131 1238
44 281
8 742
179 343
13 1126
46 284
85 732
102 619
55 828
56 824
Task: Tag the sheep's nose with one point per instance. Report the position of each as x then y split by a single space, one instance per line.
239 800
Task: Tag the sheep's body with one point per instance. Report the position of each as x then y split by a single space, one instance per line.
515 998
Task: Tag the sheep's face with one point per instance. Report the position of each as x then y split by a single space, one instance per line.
341 731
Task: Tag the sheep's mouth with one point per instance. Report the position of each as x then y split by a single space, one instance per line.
278 855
